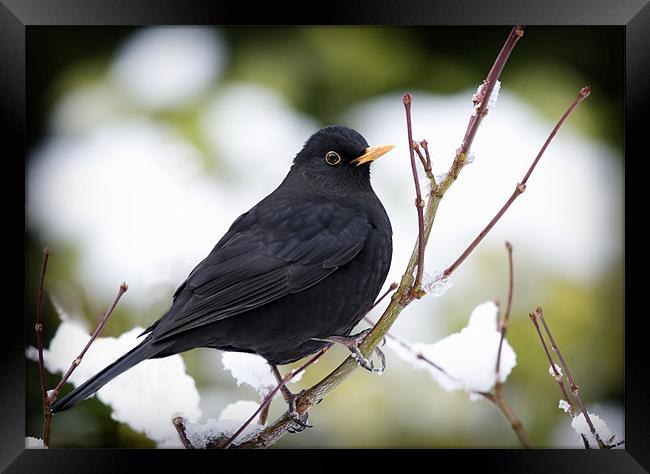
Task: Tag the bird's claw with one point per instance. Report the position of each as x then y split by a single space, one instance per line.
368 364
299 422
352 343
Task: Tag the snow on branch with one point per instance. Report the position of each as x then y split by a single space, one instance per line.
467 357
145 397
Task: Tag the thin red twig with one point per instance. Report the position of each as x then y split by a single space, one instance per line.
503 324
574 387
75 363
556 373
488 86
391 288
520 188
38 327
419 202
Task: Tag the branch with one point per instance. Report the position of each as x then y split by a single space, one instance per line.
179 424
404 294
267 400
419 203
556 373
499 398
391 288
483 97
426 162
539 314
418 355
268 436
38 327
503 324
75 363
50 398
520 188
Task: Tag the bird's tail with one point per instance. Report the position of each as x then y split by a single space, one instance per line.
136 355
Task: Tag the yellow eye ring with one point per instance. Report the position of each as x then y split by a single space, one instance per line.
332 158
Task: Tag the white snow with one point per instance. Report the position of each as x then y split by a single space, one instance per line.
580 426
557 367
440 177
249 369
34 443
564 436
31 353
494 96
434 284
146 397
253 370
423 179
241 410
564 405
478 98
230 420
468 357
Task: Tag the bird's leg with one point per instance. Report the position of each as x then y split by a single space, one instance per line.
352 343
300 421
264 414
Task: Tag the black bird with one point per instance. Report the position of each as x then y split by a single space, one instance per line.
299 269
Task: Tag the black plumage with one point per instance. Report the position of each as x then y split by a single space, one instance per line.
306 262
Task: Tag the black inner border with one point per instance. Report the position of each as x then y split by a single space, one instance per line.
633 15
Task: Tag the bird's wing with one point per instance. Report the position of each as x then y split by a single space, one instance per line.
260 260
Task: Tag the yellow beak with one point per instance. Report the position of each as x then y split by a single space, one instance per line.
372 153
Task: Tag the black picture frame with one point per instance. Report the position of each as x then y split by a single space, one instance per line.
632 15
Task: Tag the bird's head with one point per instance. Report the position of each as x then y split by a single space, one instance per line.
337 156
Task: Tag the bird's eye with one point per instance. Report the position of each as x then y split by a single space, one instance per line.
332 158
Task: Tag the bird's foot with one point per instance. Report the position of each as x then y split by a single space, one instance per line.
299 421
352 343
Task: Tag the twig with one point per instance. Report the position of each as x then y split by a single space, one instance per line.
419 203
425 146
403 296
556 374
401 342
487 88
503 324
179 424
75 363
520 188
418 355
539 314
391 288
423 160
264 414
499 398
38 327
51 397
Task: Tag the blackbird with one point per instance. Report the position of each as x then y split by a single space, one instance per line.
296 272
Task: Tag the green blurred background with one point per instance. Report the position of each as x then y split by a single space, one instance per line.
321 72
